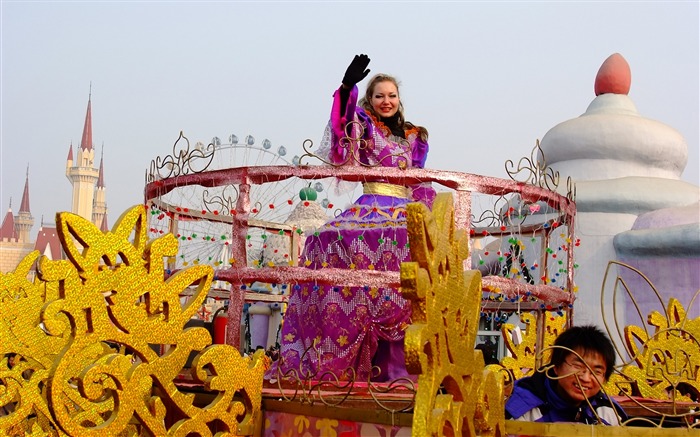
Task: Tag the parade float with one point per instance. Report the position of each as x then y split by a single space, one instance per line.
167 323
99 343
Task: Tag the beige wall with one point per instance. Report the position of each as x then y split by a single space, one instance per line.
11 253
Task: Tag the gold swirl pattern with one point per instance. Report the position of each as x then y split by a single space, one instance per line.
455 395
664 365
78 351
524 358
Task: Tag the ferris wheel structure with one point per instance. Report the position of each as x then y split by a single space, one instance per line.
201 213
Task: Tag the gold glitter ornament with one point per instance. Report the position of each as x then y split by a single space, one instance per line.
455 394
79 343
664 361
25 351
524 358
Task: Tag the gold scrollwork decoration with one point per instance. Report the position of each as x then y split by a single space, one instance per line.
82 345
454 392
524 359
660 364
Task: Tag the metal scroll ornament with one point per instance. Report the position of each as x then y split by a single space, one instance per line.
183 161
81 344
334 389
353 146
535 170
223 200
664 356
455 395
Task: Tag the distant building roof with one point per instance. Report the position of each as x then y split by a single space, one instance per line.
7 230
47 242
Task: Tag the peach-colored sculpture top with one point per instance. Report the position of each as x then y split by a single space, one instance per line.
614 76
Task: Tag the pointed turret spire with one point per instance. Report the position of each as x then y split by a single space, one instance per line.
70 152
99 205
86 142
7 229
24 205
104 226
101 177
24 220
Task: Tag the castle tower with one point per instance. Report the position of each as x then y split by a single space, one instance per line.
99 206
81 173
24 220
13 246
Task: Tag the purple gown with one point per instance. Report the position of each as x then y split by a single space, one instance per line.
356 327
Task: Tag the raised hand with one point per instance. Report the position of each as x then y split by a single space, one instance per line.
357 70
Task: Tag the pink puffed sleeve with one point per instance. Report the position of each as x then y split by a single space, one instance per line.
419 153
341 114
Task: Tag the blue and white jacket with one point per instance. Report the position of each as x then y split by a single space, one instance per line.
535 399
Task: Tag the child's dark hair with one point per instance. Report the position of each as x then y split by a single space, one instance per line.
586 338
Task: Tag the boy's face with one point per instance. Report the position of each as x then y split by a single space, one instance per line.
580 379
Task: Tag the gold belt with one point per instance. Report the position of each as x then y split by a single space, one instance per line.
385 189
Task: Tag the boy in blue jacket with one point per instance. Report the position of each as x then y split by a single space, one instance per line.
570 389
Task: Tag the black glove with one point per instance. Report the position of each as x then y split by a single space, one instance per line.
357 70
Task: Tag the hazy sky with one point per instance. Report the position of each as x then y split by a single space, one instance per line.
486 78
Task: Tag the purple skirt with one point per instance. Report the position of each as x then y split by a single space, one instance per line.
353 327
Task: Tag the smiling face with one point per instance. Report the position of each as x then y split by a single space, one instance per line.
385 98
580 379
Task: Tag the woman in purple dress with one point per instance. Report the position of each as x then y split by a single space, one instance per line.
335 329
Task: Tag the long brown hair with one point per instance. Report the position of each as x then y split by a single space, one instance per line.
365 103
